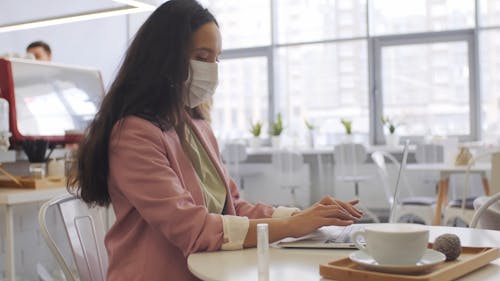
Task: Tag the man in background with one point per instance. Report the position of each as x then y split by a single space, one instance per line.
40 50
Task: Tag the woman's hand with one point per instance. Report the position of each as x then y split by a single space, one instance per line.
327 211
348 206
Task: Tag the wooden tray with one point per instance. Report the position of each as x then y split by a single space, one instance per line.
470 259
32 183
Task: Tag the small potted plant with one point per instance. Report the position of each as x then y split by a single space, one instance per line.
348 129
255 130
310 129
276 130
391 139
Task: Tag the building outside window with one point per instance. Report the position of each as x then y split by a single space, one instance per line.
431 65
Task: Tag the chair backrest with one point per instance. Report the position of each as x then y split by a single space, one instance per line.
85 233
378 158
287 164
495 167
234 153
348 157
429 153
487 213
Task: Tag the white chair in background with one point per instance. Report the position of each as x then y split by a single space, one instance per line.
348 159
233 155
412 208
287 165
85 232
487 213
461 210
429 153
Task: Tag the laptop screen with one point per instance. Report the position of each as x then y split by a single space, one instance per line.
402 168
49 100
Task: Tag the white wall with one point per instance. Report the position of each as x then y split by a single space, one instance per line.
98 43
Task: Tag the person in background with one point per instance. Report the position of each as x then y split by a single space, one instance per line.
40 50
151 154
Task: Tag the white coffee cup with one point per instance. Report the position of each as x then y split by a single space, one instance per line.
393 243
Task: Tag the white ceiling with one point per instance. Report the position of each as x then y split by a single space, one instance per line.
26 11
15 11
26 14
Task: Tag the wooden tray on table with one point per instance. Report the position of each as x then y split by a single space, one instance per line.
32 183
469 260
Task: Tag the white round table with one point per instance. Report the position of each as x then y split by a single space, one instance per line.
303 264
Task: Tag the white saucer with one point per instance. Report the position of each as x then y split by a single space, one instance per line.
430 259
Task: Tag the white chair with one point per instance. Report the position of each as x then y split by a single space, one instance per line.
85 232
233 155
348 158
429 153
287 165
412 208
460 211
487 213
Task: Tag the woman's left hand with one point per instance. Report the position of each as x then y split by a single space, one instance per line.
348 207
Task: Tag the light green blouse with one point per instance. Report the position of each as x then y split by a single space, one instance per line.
213 186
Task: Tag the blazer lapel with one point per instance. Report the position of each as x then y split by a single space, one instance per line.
185 168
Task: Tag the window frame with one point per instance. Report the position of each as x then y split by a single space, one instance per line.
266 52
375 105
376 91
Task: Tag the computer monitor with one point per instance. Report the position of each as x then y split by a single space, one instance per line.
47 100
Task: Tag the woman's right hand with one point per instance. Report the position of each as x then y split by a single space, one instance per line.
318 215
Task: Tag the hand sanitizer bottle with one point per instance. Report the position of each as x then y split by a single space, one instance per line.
263 251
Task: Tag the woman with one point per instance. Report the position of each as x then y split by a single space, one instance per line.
151 153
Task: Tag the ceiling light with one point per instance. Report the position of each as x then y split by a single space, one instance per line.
132 6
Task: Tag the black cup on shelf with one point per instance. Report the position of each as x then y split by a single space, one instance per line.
36 150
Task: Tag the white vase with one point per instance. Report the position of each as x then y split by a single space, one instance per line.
392 139
276 141
348 138
254 142
311 140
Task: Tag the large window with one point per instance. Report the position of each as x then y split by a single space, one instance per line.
398 17
242 96
318 20
326 60
322 83
243 23
425 84
426 88
490 83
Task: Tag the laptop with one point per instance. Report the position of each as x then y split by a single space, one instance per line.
339 237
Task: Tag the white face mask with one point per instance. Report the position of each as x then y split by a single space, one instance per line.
202 82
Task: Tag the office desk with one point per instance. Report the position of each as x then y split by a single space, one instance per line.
445 170
13 196
266 150
303 264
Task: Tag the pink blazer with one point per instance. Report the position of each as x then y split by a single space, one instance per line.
159 205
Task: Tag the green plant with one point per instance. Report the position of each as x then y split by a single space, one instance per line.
309 126
347 125
256 129
391 126
277 127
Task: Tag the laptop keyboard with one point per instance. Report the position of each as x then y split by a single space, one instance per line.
345 235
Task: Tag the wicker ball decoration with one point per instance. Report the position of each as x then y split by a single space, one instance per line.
449 245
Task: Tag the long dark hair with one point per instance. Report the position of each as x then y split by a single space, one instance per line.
149 84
